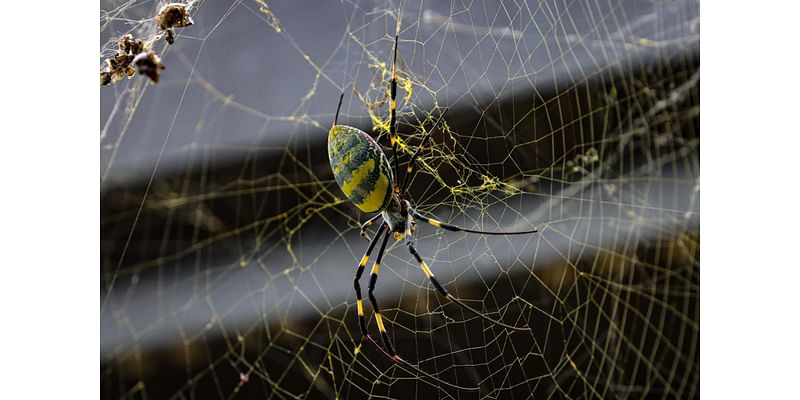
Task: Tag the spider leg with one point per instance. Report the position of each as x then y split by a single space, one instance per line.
373 278
388 348
365 225
441 289
393 114
410 166
336 117
439 224
414 369
361 321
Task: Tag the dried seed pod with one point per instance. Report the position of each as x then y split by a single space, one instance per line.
129 45
149 64
105 78
119 66
173 15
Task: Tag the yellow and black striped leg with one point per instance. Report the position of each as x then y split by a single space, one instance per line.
393 115
373 278
366 225
388 349
428 273
439 224
361 321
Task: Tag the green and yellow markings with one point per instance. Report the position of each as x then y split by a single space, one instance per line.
356 176
377 195
360 168
335 143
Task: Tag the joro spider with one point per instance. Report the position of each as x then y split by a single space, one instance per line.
364 174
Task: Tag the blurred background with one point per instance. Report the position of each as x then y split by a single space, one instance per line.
228 251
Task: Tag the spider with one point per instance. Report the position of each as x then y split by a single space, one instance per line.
364 174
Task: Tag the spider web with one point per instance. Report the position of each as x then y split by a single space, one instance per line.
228 251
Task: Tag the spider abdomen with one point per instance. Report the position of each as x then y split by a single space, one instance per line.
360 168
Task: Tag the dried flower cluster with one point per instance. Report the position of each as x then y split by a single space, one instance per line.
149 64
134 55
174 15
119 66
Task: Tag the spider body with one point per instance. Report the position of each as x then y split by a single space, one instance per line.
360 168
364 174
